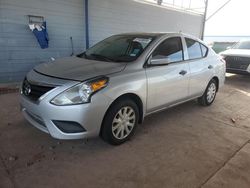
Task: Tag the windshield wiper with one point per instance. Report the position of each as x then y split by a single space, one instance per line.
101 57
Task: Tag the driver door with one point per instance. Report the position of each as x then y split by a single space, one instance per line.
167 81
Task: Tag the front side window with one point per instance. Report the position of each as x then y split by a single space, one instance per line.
170 49
119 48
193 48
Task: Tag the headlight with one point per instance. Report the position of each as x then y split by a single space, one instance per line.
222 56
80 93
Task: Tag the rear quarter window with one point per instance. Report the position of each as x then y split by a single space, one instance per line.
204 50
194 49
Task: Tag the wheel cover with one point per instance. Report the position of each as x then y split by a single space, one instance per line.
211 92
123 122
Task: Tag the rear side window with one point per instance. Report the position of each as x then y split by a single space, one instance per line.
203 50
193 48
170 49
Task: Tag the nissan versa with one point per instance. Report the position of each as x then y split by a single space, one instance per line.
111 87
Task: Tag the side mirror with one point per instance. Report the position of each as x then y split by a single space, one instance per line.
159 60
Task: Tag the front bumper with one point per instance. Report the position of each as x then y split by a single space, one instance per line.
237 65
238 71
42 113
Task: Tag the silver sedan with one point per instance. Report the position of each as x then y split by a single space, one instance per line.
110 88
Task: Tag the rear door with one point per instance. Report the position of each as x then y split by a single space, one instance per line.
167 83
200 70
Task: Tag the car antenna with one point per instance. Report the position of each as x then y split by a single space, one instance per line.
72 46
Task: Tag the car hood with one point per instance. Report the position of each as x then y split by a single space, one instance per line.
236 52
80 69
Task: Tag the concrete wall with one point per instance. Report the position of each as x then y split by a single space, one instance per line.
118 16
19 50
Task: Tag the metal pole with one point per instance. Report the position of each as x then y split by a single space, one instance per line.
204 20
87 23
218 10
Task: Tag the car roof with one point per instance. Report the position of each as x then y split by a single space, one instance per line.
148 33
158 34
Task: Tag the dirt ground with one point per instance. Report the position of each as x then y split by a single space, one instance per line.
186 146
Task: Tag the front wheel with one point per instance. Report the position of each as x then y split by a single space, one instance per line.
120 122
209 95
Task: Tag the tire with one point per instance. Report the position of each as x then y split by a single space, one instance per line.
209 95
120 122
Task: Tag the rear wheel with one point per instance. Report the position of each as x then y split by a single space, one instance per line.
120 122
209 95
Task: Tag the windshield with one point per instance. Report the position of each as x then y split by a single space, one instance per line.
118 48
242 45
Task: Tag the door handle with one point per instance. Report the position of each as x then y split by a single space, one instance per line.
183 72
210 67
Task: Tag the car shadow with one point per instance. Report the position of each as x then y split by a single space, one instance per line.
238 81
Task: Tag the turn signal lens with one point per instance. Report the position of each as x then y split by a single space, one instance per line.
95 86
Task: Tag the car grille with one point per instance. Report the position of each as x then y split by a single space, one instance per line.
34 92
236 62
